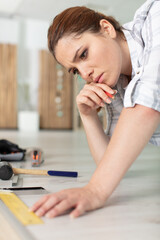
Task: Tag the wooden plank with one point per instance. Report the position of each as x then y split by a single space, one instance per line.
40 87
51 90
3 87
8 86
43 98
5 78
14 85
54 115
1 55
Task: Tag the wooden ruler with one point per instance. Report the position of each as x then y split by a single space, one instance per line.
19 209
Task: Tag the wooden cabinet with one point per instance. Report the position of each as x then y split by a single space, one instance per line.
55 94
8 86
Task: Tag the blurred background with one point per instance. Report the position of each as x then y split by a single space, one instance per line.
34 89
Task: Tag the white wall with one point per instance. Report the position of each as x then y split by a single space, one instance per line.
36 34
30 36
33 37
9 31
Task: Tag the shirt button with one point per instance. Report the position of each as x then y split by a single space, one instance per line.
138 72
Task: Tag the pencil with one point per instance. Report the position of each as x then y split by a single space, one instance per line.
109 95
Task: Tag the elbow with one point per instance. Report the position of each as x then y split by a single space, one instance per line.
149 114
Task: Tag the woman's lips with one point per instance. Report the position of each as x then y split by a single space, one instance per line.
99 79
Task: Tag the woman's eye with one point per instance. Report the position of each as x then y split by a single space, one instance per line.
84 54
75 71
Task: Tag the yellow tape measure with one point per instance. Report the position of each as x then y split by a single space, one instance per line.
19 209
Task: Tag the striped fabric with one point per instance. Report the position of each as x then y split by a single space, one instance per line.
143 38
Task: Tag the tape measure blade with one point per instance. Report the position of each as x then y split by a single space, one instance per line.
19 209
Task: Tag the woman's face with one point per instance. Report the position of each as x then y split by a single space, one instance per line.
95 57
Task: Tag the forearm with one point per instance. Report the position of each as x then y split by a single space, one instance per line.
133 131
97 140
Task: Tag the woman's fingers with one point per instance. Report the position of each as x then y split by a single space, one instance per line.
81 199
85 100
47 202
94 95
52 201
104 87
60 208
101 93
89 98
78 211
39 203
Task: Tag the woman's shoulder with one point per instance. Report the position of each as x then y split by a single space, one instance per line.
148 9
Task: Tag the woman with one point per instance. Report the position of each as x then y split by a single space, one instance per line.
122 61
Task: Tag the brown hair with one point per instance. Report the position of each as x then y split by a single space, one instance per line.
76 20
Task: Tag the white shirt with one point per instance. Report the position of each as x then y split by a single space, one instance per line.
143 38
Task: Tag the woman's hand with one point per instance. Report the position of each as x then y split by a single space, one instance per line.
81 199
93 96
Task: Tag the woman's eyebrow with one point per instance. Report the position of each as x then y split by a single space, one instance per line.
75 56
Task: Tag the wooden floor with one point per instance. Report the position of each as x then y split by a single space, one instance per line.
131 213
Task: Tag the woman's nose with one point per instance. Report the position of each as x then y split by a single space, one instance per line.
86 73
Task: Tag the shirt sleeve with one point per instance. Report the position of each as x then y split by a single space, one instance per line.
114 109
144 88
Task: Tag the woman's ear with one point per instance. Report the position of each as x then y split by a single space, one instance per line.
107 28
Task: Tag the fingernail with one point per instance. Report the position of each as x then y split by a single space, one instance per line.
72 216
39 213
102 104
48 215
108 101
